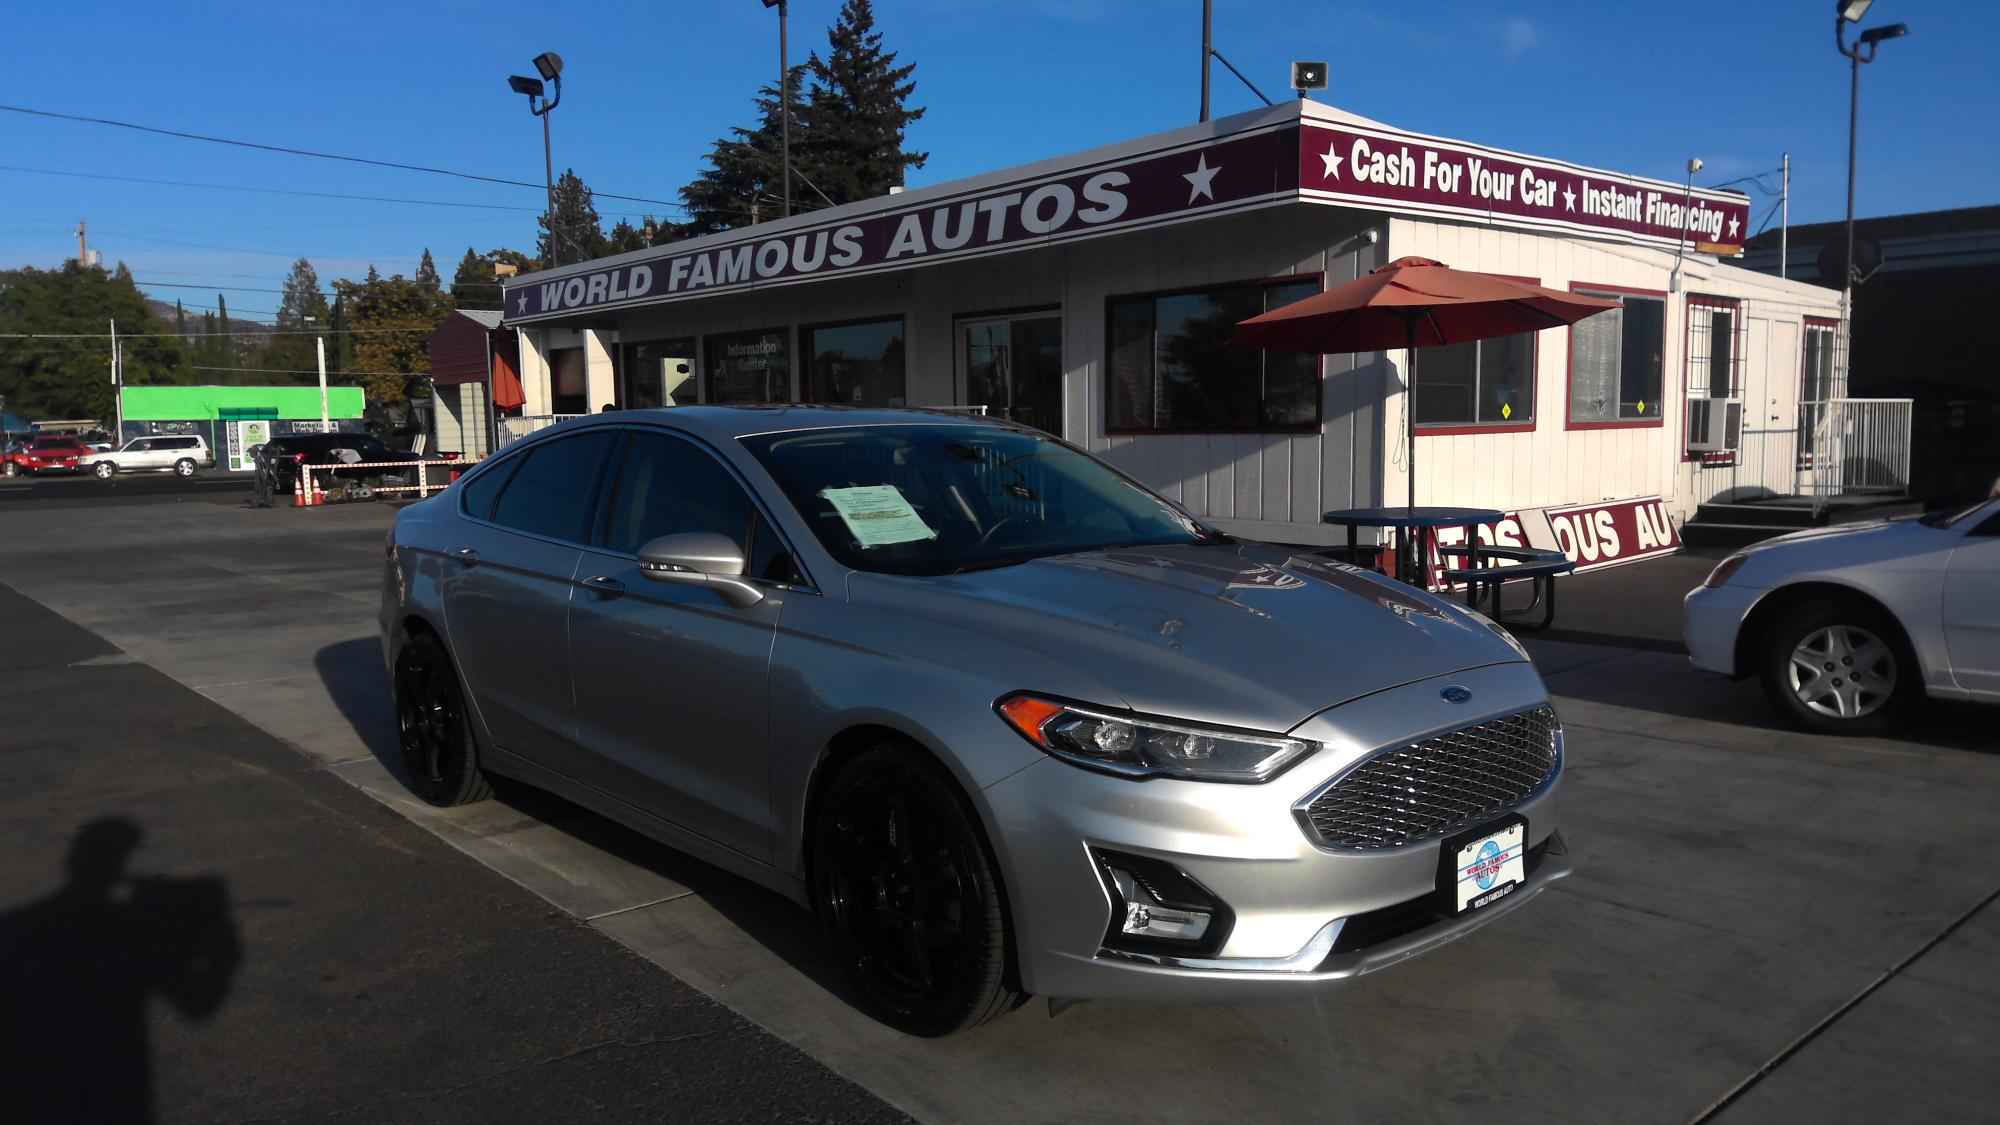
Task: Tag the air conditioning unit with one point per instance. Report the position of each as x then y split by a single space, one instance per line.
1715 425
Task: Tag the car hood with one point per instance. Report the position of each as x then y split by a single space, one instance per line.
1241 633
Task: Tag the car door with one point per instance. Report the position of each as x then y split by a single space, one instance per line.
137 454
1972 608
506 598
671 681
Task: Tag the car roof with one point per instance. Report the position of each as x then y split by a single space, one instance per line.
728 422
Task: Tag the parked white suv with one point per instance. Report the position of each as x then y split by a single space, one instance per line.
181 454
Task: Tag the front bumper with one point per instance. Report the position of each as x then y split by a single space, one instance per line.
1304 916
1711 618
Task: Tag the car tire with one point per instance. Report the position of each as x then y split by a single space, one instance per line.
1836 667
909 896
105 470
10 469
184 467
434 729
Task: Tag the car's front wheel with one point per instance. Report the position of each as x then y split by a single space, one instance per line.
105 470
184 467
908 894
1835 667
434 729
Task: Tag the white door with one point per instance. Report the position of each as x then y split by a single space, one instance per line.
1972 609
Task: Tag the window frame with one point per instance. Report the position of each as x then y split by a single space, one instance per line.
1807 327
803 333
1569 367
1318 423
591 519
1737 328
1468 429
600 520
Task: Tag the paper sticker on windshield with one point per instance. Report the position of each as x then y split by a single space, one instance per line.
877 515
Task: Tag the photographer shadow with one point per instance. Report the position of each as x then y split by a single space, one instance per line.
79 968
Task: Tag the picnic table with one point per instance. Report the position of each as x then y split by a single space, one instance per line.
1485 568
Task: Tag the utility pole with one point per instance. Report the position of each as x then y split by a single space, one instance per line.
1207 49
1785 216
82 245
325 422
117 381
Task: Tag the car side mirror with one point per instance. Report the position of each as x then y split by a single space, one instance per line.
700 558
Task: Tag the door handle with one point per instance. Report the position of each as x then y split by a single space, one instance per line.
605 584
466 555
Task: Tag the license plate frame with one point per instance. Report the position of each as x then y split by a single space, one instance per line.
1469 880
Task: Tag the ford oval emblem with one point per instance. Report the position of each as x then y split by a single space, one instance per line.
1456 694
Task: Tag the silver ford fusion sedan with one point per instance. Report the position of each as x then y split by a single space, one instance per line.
1008 722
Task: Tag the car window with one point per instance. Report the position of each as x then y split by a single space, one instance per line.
550 493
483 488
139 445
665 486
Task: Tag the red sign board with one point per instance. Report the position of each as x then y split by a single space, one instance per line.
1373 166
1613 532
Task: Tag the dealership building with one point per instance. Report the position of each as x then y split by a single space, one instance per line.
1093 295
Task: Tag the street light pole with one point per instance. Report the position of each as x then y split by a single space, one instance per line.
1863 51
550 65
784 96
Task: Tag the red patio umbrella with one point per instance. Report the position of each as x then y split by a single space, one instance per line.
1412 303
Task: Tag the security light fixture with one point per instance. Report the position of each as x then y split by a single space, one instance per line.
1308 76
550 65
1695 165
1875 35
529 86
1851 11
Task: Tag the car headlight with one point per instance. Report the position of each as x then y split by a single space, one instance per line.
1723 570
1140 746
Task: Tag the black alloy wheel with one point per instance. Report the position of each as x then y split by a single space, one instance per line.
433 728
905 887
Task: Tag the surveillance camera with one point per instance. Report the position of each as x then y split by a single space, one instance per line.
1694 165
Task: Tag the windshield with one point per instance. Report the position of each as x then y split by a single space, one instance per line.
1950 516
942 499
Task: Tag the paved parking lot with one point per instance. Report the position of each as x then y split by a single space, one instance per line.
1764 925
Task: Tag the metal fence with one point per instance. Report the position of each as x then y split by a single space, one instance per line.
519 426
1858 445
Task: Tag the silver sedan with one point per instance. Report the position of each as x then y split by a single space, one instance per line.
1007 721
1845 624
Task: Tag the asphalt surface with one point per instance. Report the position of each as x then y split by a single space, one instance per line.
195 925
1764 925
62 490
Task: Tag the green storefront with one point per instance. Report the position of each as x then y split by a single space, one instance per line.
236 419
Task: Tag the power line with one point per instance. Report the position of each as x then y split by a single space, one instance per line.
308 152
267 191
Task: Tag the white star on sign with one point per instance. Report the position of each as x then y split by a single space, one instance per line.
521 304
1732 226
1201 181
1569 200
1331 158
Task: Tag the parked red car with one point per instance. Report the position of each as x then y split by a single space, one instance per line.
47 455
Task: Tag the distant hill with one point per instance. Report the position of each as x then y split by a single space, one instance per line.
247 335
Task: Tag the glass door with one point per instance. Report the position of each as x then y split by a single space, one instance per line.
1013 367
658 373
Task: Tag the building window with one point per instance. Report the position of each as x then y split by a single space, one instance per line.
1616 361
1711 357
749 366
856 364
1478 383
1818 384
658 373
1171 366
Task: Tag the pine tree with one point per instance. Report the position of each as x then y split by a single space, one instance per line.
427 273
743 182
626 237
225 346
857 113
473 285
180 320
303 308
580 234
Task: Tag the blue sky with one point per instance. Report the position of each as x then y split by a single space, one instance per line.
1633 87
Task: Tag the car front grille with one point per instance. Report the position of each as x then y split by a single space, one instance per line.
1430 789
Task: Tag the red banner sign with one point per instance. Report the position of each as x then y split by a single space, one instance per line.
1365 165
1613 532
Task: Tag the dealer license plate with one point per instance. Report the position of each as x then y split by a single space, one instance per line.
1488 868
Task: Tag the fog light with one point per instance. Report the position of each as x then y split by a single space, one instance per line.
1158 908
